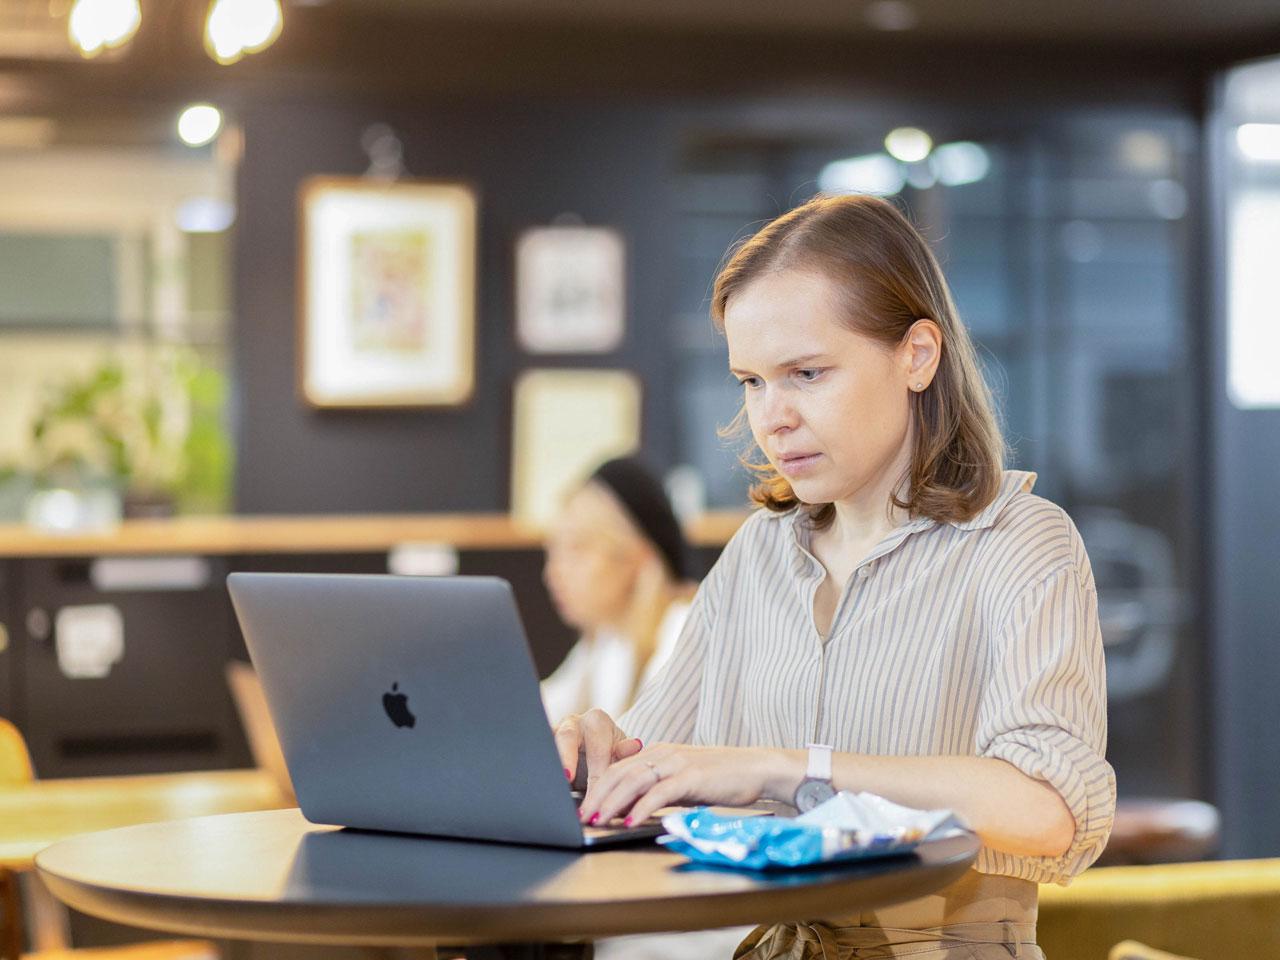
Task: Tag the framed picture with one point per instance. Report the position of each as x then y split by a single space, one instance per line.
567 422
387 281
570 289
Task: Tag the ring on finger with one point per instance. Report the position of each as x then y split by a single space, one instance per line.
653 768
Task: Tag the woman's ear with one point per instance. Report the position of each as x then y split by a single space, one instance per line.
921 353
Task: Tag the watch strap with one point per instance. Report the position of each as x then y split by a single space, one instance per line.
819 762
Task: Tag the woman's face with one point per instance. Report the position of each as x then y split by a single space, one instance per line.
829 407
593 558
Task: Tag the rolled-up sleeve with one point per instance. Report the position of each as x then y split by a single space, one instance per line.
1044 711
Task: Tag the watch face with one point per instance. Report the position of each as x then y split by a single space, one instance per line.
810 793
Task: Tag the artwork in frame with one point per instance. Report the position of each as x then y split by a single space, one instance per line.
566 423
387 280
570 289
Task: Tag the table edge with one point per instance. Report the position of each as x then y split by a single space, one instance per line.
416 924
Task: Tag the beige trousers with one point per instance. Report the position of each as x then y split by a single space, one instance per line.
979 917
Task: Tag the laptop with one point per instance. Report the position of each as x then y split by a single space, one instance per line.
411 704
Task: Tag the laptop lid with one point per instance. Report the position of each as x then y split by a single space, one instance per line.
408 704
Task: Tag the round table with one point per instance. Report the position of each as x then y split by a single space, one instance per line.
274 876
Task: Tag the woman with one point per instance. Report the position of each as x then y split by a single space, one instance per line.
615 569
902 601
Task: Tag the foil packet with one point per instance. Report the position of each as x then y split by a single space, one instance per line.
849 826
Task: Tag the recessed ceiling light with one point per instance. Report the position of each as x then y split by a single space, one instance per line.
961 162
874 173
908 144
199 123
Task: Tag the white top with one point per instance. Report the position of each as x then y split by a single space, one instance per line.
978 638
602 672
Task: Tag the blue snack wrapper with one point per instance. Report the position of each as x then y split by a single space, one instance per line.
847 827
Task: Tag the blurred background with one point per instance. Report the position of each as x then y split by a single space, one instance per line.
1101 181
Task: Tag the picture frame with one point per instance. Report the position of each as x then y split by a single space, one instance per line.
570 289
387 289
566 422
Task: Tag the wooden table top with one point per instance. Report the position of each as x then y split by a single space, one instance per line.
368 533
34 815
274 876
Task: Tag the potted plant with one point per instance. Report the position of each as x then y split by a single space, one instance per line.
148 426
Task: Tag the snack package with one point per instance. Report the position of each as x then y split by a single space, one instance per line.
847 827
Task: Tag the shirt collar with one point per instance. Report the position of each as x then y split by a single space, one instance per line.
1012 483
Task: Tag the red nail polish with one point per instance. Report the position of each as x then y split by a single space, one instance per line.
567 774
626 822
641 742
594 818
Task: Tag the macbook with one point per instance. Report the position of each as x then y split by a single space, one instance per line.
411 704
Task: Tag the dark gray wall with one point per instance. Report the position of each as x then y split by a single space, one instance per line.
529 163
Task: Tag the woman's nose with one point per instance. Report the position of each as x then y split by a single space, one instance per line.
778 413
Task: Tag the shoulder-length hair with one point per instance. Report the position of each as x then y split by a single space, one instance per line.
888 279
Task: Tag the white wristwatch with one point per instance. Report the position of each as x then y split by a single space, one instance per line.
816 787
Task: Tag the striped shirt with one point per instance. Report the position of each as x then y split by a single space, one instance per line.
977 638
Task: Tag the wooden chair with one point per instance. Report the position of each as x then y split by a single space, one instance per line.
50 929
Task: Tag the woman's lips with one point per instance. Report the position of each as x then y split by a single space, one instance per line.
799 464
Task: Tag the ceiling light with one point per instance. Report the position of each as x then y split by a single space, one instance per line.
1259 141
97 25
891 15
199 123
238 27
908 144
875 173
960 163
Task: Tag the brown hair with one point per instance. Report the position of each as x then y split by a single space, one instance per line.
889 279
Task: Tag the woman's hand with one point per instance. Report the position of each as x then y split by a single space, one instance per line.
594 735
672 773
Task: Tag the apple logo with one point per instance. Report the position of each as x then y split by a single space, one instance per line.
397 706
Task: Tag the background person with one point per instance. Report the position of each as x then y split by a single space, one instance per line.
615 568
902 599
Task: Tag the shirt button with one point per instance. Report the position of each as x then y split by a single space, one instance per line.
864 572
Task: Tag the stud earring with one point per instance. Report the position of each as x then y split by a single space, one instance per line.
919 386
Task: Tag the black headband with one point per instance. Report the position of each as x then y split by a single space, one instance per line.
646 502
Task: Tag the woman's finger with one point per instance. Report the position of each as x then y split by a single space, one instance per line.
625 782
665 793
598 735
568 737
625 747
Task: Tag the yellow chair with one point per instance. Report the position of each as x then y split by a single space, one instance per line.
1211 909
15 761
16 767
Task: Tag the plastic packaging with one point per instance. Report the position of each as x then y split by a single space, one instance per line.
847 827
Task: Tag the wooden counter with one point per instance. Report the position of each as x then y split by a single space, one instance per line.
370 533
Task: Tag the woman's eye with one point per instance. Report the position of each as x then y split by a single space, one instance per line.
809 374
749 382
